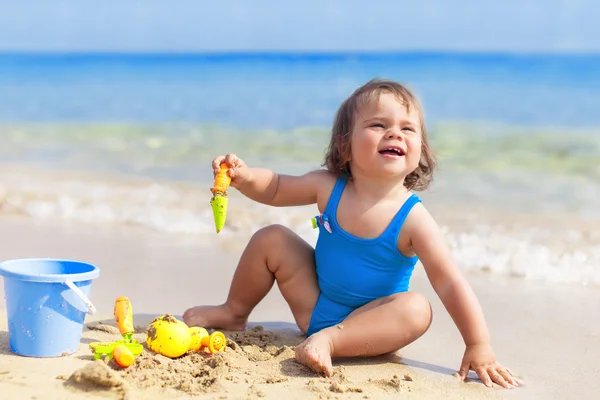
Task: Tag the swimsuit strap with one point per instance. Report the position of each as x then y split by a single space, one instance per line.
395 226
334 198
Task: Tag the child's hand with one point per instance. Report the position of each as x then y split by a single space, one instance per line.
237 168
481 359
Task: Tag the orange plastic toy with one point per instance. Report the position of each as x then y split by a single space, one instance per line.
125 350
215 342
202 341
123 356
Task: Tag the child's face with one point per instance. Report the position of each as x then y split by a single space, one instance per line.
386 139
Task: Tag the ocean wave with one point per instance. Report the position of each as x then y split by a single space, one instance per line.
170 207
531 250
514 255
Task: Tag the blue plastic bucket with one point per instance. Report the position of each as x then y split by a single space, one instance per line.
46 303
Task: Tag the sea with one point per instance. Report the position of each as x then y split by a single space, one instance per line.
128 139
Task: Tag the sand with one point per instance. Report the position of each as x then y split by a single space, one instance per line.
546 334
258 363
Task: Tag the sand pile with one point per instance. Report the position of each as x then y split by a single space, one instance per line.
193 373
98 377
256 363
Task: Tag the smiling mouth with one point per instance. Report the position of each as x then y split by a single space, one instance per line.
392 152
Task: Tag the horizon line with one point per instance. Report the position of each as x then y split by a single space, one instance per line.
295 53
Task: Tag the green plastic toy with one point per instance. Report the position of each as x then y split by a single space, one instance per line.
105 349
124 318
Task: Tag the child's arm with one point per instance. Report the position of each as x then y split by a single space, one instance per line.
268 187
458 298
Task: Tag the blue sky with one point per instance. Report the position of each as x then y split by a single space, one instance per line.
305 25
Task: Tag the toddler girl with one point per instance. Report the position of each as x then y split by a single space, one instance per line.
349 294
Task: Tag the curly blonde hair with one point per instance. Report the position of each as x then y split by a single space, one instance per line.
338 152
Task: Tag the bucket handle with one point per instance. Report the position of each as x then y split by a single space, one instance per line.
83 297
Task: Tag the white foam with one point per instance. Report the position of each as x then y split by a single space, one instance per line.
499 253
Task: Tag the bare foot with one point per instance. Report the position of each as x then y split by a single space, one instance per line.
315 353
218 317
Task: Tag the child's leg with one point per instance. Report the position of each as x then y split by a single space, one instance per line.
380 327
274 253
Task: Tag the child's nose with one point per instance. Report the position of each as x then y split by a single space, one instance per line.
394 133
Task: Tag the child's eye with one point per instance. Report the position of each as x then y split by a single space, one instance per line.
410 129
377 125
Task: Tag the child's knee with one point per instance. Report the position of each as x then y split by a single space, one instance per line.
279 238
416 310
277 242
271 234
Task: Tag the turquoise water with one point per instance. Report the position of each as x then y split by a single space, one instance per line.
286 91
149 112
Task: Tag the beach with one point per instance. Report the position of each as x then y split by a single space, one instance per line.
546 334
105 158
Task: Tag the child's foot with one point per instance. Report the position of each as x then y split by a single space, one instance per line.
218 317
315 353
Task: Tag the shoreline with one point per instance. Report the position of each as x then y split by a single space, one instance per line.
448 210
501 241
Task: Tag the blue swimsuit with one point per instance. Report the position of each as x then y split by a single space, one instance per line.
352 271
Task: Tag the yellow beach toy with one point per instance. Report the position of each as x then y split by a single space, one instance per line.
219 200
202 341
168 336
173 338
